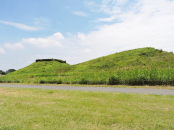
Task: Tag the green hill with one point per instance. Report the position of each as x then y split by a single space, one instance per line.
43 67
137 58
143 66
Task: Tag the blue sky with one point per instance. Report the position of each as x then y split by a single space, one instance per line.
80 30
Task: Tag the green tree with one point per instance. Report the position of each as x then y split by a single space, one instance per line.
10 70
2 72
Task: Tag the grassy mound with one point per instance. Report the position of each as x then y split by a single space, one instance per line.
44 67
35 70
144 66
137 58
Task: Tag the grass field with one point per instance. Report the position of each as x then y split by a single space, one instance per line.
38 109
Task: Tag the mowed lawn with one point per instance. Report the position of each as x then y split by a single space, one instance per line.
39 109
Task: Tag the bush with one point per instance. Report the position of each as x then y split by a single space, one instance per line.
55 82
113 80
42 82
51 82
84 81
97 82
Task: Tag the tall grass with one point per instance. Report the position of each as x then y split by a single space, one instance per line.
135 76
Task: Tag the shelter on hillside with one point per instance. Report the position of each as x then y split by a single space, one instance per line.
61 61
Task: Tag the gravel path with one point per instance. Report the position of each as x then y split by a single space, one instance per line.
103 89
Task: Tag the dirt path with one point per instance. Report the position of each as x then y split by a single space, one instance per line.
103 89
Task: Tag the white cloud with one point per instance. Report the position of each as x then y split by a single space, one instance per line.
110 19
81 36
79 13
112 8
2 51
146 24
106 6
51 41
13 46
21 26
121 2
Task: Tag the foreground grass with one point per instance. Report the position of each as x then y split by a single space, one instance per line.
28 109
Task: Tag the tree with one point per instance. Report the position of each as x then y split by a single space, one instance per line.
2 72
10 70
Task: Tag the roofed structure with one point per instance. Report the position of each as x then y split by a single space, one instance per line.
61 61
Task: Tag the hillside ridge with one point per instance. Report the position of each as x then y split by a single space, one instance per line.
141 57
142 66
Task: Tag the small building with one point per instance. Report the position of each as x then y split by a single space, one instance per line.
61 61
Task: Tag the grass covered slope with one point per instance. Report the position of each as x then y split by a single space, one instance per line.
137 58
143 66
43 67
35 70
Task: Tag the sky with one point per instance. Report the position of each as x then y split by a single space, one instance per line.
81 30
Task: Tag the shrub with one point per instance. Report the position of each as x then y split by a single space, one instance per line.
98 82
42 82
55 82
113 80
84 81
